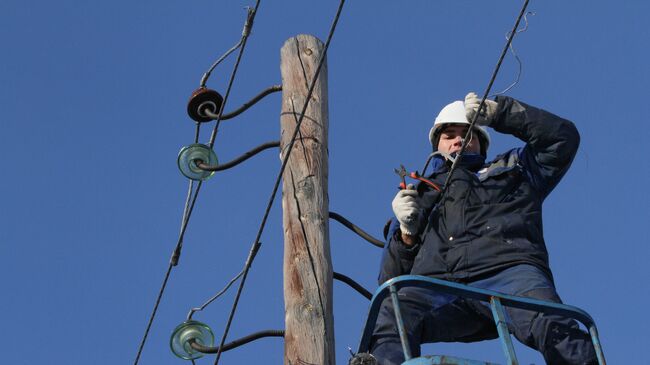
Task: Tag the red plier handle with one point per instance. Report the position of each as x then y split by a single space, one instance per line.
413 175
416 176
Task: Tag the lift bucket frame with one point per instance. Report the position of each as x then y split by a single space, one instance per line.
497 302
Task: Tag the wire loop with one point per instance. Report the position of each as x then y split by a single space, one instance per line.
213 114
239 342
351 226
353 284
230 164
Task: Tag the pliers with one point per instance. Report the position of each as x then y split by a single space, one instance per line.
402 174
413 175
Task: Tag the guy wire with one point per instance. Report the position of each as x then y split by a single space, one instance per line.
256 244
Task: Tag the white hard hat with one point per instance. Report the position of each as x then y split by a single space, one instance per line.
454 113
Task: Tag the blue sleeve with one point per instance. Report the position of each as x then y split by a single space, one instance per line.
397 258
551 142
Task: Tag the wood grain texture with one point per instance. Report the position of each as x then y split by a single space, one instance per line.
309 323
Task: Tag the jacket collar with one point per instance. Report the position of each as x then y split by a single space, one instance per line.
441 162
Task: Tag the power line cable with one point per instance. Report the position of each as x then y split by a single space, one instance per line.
353 284
240 159
241 341
248 104
354 228
245 33
256 244
173 261
468 134
188 209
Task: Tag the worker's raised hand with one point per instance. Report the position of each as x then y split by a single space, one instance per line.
488 112
407 210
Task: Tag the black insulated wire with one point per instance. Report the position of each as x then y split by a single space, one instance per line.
238 160
353 284
239 342
351 226
270 90
256 244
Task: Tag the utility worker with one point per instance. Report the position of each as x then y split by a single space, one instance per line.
485 231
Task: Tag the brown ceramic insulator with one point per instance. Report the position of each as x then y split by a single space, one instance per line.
203 98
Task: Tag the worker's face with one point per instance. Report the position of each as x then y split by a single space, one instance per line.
451 138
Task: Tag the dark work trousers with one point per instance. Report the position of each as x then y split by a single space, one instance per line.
435 317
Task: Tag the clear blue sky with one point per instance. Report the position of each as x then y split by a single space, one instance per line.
92 115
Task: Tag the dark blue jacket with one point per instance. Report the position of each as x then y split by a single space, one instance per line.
491 219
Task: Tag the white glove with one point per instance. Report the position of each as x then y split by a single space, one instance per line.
407 210
489 111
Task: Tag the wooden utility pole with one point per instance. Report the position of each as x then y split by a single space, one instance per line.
309 322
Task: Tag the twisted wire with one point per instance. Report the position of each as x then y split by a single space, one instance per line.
520 64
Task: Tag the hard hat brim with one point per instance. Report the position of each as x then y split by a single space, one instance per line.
434 134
